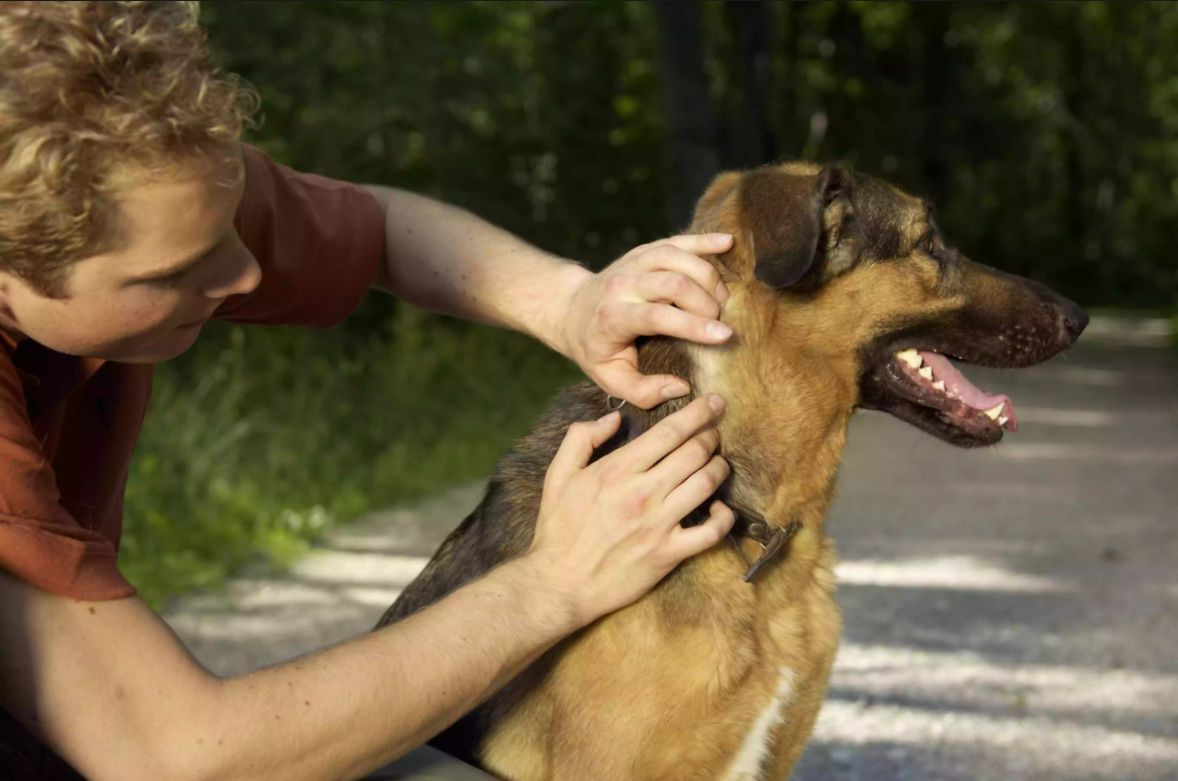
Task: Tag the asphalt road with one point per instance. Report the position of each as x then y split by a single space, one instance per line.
1010 614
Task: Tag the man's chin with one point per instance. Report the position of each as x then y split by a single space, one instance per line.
176 342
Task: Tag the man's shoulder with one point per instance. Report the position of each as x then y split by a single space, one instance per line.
317 240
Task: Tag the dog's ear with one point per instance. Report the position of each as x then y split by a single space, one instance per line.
800 226
710 211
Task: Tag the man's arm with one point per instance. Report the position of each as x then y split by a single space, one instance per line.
110 687
446 259
114 691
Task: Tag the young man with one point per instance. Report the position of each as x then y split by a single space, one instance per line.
130 214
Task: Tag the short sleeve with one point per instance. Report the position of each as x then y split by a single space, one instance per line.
317 240
40 542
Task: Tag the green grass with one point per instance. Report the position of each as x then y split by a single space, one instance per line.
260 439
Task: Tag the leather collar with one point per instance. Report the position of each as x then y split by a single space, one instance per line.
753 525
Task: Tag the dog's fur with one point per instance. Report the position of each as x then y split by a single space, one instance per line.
708 677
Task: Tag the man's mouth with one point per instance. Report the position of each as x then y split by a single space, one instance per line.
201 321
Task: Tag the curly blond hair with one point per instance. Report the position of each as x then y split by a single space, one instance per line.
94 95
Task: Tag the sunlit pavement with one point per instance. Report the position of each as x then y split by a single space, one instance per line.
1010 614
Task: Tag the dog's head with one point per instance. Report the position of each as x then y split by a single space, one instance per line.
840 270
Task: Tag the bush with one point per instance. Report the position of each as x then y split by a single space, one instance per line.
262 438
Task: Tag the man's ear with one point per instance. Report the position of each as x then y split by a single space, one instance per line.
785 217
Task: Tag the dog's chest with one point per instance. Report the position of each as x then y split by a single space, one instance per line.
758 745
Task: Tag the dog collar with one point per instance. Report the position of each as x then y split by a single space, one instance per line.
751 524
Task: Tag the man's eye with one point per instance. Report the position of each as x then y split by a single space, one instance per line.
178 276
171 279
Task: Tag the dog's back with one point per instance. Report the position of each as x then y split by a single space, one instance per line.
501 527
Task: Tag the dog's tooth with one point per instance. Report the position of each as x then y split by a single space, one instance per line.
939 385
910 357
1002 420
926 372
994 413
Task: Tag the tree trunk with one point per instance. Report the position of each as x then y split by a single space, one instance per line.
690 118
748 135
788 138
933 23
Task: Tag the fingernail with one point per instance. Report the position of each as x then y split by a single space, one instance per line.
715 402
721 292
718 330
607 416
721 239
675 390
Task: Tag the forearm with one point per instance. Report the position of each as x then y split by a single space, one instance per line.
151 712
359 705
448 260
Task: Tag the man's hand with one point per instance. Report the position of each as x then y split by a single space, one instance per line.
609 531
659 288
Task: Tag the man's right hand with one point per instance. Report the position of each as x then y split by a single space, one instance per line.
609 531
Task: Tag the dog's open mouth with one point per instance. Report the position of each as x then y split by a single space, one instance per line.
936 396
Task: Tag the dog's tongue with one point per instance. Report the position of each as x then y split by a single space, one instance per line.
957 385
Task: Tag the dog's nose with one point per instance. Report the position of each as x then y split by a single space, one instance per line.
1075 320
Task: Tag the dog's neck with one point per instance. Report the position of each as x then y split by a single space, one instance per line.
784 427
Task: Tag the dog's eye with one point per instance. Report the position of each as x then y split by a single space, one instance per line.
928 244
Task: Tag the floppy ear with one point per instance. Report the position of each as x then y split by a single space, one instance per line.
785 215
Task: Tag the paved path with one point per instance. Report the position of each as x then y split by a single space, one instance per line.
1011 614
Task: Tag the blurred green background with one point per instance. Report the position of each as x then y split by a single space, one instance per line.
1044 133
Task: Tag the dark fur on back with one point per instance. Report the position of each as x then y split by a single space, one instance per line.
501 527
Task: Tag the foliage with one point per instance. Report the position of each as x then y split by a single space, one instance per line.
259 446
1045 132
536 116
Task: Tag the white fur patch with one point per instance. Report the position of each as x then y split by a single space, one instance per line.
709 368
755 750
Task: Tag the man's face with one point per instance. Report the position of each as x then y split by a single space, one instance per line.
178 258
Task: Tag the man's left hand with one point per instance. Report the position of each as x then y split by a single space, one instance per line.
659 288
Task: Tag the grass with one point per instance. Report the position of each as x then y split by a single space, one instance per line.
261 439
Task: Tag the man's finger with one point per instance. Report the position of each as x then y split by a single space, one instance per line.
671 432
696 488
687 459
681 253
673 287
622 380
685 543
666 320
577 448
698 243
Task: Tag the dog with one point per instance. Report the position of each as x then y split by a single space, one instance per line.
843 295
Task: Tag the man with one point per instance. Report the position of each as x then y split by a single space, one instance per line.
130 214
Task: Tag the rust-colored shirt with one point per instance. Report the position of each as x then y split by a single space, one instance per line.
68 425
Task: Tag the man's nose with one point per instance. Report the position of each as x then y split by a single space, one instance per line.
242 275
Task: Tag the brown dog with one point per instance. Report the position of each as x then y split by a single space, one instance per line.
843 295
